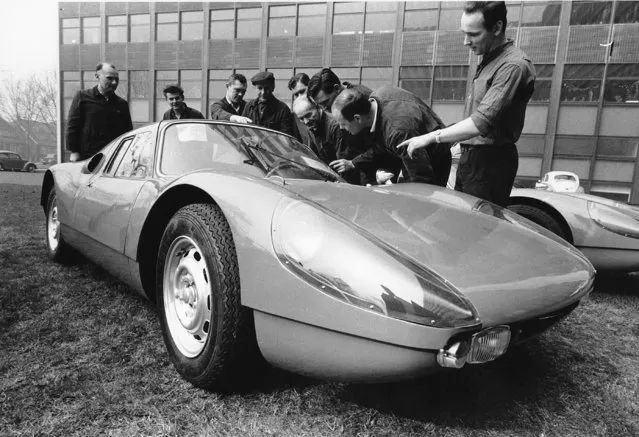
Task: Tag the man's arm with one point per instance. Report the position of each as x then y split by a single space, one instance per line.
288 123
461 131
219 113
74 125
126 116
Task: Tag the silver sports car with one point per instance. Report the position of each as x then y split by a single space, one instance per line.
251 245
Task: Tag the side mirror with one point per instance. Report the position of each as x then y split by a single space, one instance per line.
90 166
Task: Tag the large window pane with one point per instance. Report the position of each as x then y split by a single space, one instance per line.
420 20
380 22
222 24
192 26
249 23
311 20
542 83
541 14
591 13
348 24
622 84
167 27
281 26
140 28
70 31
581 83
627 12
91 30
116 28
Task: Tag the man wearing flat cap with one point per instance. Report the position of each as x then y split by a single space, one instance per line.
266 110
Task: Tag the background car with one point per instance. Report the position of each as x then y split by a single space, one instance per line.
607 232
12 161
560 182
253 247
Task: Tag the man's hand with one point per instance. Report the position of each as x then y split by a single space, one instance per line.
75 156
240 119
342 165
412 144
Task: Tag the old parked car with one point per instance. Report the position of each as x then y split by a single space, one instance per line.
12 161
560 182
607 232
250 246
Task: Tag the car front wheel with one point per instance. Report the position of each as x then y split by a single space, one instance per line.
209 335
58 249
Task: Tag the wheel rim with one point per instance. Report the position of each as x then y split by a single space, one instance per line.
187 296
53 227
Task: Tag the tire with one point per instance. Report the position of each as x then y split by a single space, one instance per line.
208 334
58 250
30 168
1 167
540 217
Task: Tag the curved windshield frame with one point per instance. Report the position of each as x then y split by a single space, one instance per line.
189 147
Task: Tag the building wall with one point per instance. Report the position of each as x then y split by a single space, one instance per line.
582 117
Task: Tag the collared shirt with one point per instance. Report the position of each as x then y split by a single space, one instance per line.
223 109
94 121
502 86
186 113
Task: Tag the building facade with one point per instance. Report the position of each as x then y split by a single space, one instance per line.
583 117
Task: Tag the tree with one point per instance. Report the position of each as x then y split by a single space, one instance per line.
29 104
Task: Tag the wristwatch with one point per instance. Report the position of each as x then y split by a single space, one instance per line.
438 140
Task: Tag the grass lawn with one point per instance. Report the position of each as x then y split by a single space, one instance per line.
81 354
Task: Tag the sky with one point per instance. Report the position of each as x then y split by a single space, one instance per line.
29 35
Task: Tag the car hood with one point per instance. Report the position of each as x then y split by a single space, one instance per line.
507 270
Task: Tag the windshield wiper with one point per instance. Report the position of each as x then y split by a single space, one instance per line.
327 177
249 146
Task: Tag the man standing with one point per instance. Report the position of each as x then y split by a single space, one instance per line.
298 85
502 86
174 95
97 115
231 106
266 110
390 116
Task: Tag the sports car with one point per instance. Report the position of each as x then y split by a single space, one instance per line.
253 249
607 232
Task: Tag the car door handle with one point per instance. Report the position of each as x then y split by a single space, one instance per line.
90 184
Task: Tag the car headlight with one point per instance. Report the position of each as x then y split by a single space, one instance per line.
362 270
620 219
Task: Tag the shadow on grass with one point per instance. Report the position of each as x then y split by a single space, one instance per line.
489 396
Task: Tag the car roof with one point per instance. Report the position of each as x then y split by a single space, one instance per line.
9 151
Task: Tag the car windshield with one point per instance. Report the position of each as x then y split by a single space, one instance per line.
195 146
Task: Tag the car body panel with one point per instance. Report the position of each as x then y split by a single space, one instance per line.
299 326
607 250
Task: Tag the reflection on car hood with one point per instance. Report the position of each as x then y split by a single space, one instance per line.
507 271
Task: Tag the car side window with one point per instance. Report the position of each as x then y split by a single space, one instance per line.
119 153
137 160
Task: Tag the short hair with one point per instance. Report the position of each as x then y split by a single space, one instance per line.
325 81
491 11
101 65
173 89
351 101
236 76
299 77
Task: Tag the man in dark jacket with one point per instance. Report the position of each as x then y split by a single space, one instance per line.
174 95
97 115
266 110
231 106
392 115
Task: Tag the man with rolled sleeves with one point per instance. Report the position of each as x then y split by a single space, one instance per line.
266 110
97 115
231 106
502 86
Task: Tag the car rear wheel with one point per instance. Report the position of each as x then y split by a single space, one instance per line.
540 217
30 168
209 335
58 249
1 167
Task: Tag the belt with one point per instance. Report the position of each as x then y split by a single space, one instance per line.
467 147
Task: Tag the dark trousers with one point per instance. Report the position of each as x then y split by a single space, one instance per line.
429 165
488 172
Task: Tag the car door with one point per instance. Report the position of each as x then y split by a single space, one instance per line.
103 204
15 163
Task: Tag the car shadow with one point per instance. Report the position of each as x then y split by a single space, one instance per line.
617 284
488 396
